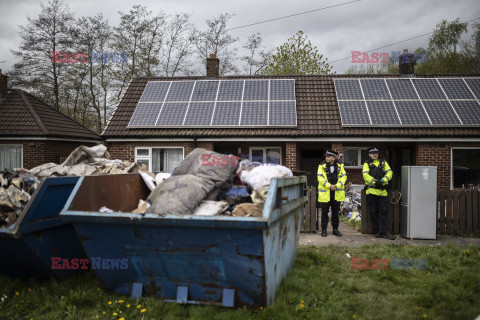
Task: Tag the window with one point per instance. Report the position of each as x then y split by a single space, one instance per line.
11 157
355 157
266 155
465 167
159 159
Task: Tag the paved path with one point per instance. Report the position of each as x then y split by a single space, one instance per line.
353 238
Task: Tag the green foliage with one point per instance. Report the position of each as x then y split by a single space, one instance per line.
297 56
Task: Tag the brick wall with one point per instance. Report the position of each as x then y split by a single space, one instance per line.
439 155
36 153
292 161
126 150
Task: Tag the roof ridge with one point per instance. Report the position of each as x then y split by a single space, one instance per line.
35 116
62 114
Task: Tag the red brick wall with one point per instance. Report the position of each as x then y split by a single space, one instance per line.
291 159
36 153
126 150
439 155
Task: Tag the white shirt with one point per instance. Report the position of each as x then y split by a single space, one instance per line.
332 169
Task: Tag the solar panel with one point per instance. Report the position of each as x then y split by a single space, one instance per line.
256 90
145 114
348 89
353 113
180 91
282 89
254 113
205 91
440 112
199 114
155 91
455 89
401 89
172 114
227 114
428 89
382 112
474 85
411 113
375 89
283 113
230 90
468 111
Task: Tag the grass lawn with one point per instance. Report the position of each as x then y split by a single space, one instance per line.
322 286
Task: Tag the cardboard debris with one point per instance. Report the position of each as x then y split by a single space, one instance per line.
248 210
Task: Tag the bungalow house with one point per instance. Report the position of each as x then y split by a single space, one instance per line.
33 133
291 120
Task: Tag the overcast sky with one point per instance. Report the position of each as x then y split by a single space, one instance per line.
358 26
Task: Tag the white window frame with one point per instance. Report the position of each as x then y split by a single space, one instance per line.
149 157
451 162
359 156
21 153
264 151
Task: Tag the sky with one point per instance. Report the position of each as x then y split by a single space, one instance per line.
336 32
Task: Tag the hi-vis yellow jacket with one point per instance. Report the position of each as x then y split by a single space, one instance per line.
324 185
370 181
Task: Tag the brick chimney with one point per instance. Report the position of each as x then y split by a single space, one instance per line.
3 85
213 66
406 64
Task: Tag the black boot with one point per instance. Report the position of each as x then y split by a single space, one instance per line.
324 232
337 233
389 236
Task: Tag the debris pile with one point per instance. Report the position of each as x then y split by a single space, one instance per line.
84 161
16 189
206 188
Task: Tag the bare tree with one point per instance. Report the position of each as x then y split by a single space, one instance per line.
257 58
42 39
215 39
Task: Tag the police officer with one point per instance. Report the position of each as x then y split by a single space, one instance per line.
331 181
377 174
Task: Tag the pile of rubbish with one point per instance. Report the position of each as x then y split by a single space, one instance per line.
199 188
18 186
194 188
16 189
352 206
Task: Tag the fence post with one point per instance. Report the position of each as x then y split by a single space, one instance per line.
468 198
476 212
364 221
441 212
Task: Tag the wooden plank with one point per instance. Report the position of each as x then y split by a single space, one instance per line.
463 212
456 212
390 212
476 212
364 221
442 198
449 212
396 212
313 209
469 222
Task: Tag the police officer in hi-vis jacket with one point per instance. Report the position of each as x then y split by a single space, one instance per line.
331 189
377 174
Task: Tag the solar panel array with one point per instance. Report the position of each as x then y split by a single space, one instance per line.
217 103
409 101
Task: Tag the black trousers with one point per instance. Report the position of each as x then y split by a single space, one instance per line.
378 209
335 205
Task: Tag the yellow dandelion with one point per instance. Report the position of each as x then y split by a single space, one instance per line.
122 318
143 310
16 293
139 306
128 306
98 289
424 315
109 302
354 316
120 301
301 301
115 314
261 308
29 289
468 251
103 312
